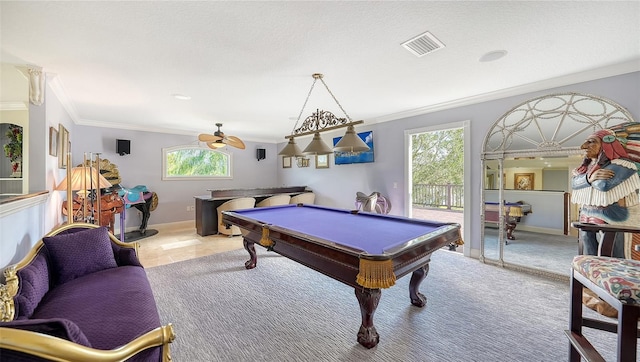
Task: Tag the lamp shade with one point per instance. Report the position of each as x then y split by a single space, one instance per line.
84 178
351 142
291 149
317 146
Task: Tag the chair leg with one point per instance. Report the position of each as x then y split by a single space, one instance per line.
575 313
627 333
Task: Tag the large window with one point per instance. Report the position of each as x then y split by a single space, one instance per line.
194 163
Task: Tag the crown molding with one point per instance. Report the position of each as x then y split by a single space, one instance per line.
13 106
133 127
58 90
585 76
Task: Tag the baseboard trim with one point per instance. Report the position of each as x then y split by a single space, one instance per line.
170 225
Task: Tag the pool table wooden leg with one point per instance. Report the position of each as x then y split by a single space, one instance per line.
250 247
418 299
368 299
510 226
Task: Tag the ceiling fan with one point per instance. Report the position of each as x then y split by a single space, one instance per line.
218 139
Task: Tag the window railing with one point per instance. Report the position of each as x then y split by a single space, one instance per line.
438 196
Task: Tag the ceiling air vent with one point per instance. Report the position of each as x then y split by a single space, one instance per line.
423 44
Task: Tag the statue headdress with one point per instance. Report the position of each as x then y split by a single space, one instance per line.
610 144
628 134
620 141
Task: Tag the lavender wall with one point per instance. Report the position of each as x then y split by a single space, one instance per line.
144 167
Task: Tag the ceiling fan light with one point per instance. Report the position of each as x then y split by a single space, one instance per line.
317 146
351 142
291 149
216 144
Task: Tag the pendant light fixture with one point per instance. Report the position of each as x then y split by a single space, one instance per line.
317 146
351 142
322 121
291 149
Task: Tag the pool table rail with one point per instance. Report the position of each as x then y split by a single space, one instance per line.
335 260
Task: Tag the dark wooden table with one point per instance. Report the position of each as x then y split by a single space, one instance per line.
206 205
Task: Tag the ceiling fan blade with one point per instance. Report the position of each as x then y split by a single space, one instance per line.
204 137
234 142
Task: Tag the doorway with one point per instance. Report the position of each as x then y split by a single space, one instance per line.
437 168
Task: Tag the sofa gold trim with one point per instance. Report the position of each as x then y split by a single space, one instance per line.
58 349
7 292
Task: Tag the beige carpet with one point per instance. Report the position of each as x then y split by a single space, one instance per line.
283 311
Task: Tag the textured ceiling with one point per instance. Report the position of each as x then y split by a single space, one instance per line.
249 64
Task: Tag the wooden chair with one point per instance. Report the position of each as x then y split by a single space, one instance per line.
275 200
596 273
303 198
233 204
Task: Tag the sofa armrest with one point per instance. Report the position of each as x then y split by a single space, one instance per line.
55 327
58 349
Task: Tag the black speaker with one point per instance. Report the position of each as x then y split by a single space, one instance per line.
123 147
261 154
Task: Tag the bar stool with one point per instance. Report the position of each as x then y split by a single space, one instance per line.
617 282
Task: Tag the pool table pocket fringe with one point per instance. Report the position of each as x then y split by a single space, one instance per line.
265 240
376 274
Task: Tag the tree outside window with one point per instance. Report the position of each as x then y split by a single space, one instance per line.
189 162
438 157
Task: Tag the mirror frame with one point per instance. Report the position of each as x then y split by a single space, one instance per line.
551 125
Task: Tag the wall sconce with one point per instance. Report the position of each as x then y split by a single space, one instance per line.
302 162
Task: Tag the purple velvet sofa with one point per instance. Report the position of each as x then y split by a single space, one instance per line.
80 295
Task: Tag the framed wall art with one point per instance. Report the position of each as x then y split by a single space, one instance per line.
63 146
286 162
343 158
302 162
322 161
523 181
53 141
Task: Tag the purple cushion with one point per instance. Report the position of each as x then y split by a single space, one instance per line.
125 256
80 253
33 284
111 307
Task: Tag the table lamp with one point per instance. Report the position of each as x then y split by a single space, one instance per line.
82 178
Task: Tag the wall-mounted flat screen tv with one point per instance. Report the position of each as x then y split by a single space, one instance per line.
343 158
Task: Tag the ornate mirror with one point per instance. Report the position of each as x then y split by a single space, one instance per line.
527 159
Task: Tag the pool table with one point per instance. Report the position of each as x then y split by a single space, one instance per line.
513 211
366 251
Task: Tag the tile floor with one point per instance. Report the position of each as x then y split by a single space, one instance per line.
179 241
